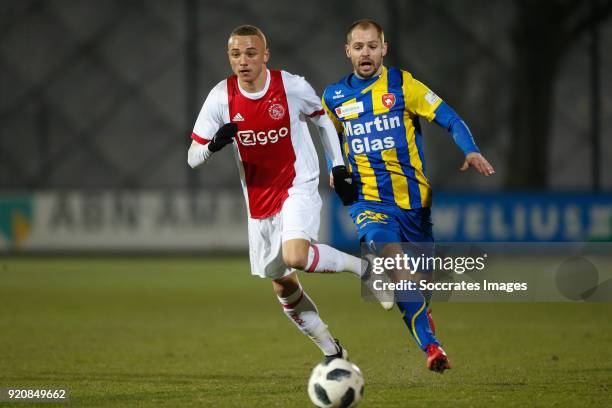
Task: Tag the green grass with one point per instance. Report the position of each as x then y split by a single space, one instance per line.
187 332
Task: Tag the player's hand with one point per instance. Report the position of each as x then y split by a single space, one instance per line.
224 136
479 163
345 186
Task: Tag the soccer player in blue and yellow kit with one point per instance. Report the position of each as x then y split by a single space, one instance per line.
376 112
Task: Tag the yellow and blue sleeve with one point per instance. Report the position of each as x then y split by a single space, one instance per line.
447 118
422 101
419 99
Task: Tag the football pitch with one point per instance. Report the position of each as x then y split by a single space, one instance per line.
201 332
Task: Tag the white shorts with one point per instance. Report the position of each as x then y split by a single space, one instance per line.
298 219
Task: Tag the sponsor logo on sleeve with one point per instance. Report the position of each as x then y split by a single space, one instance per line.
431 98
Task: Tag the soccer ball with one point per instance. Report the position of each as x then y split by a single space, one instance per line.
338 383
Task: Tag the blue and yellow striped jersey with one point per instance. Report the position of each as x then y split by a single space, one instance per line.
378 119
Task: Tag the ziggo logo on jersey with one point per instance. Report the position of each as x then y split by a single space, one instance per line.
252 138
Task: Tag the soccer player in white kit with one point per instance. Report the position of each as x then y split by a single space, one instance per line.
262 113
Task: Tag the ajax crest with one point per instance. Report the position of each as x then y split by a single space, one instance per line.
388 100
276 111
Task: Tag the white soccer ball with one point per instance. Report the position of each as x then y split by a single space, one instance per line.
338 384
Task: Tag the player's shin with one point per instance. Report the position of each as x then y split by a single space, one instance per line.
300 308
325 259
413 306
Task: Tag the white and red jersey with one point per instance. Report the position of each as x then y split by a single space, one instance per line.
273 148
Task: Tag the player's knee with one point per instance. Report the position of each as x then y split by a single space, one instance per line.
295 260
295 253
381 237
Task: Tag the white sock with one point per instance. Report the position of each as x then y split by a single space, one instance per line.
301 309
323 258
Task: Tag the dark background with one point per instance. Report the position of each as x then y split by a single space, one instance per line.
104 94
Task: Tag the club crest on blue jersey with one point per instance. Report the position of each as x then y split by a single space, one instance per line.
388 100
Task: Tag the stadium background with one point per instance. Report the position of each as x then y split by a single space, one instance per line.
97 102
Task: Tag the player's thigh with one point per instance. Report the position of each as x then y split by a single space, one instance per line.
376 225
417 233
416 225
383 241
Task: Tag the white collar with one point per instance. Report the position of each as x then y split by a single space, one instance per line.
259 94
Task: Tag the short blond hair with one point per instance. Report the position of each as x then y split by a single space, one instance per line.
364 24
246 30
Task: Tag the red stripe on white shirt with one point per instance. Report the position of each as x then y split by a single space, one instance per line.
316 113
199 139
